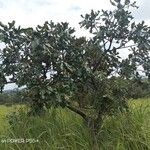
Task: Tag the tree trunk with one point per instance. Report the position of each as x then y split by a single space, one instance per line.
94 126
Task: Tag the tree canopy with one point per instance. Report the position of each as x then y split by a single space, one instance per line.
84 75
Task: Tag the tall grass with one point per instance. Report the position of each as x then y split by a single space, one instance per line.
62 129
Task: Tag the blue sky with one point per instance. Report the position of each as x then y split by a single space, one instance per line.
33 12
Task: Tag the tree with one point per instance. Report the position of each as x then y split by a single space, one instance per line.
86 76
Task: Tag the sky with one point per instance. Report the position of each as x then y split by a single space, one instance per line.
33 12
29 13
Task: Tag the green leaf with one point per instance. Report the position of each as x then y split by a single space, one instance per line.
127 2
11 24
112 3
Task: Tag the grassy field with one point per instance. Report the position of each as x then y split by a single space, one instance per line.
62 129
4 111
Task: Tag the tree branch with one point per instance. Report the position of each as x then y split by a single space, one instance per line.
79 112
120 47
110 44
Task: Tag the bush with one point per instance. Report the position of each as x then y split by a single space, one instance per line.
139 89
15 97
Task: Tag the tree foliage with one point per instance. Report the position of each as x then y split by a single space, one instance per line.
86 76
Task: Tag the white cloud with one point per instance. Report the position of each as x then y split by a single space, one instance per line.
33 12
30 13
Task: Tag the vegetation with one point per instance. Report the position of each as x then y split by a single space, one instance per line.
86 76
67 131
13 97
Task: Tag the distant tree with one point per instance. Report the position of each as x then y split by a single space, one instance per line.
86 76
2 81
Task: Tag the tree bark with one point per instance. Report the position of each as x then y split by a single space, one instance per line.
93 129
79 112
92 124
